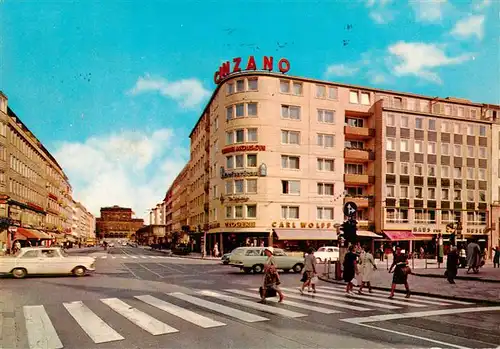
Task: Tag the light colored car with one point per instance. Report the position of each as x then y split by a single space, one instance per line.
253 258
45 260
327 253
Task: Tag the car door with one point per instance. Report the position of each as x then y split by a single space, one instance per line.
253 256
31 261
284 262
51 261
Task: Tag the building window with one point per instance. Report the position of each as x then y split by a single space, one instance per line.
284 86
354 122
403 192
229 113
482 196
365 98
240 110
432 125
405 168
290 212
482 131
290 112
354 145
431 148
290 162
356 169
240 136
238 211
390 167
457 172
251 135
431 194
252 109
404 146
326 116
457 195
325 189
240 85
398 102
238 186
470 130
445 171
457 150
419 123
456 128
324 213
230 88
332 92
461 112
445 126
253 84
470 151
482 174
320 91
431 170
326 164
238 163
418 193
470 195
470 173
405 121
446 217
419 147
473 113
290 137
251 160
390 120
251 211
390 191
390 144
353 97
326 140
445 194
482 152
290 187
251 185
229 162
229 212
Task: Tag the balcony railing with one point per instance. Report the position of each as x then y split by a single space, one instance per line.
360 201
359 155
352 132
359 179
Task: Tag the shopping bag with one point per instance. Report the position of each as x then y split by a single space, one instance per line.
270 292
314 280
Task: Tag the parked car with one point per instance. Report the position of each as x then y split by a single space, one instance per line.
327 253
253 258
45 260
225 258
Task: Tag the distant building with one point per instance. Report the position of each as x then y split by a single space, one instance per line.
83 223
117 222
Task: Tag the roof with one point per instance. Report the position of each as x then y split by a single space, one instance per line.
116 208
339 84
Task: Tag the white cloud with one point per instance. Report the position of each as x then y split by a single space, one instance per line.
419 59
340 70
188 92
428 10
378 11
481 4
132 169
469 26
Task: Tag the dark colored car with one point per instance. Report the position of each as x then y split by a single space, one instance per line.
225 258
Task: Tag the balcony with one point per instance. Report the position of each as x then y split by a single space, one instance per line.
358 155
358 179
206 206
360 201
206 186
352 132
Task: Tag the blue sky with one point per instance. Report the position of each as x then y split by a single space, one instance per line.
91 78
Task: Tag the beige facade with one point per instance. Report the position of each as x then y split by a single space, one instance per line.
83 226
286 153
180 198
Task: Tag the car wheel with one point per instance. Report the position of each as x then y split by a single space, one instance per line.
247 270
258 268
79 271
19 273
298 268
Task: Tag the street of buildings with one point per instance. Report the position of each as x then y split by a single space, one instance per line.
36 203
143 299
274 158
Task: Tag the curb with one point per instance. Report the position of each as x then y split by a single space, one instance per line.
463 299
458 277
170 254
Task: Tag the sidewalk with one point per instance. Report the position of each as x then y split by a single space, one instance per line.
466 290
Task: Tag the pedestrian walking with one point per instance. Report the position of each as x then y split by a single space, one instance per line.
216 249
350 269
271 280
496 258
309 271
401 271
367 263
452 263
473 257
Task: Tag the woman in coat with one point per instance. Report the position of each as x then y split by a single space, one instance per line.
452 263
400 266
271 276
367 267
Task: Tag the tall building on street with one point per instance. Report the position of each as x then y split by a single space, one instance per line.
83 228
274 158
35 193
117 223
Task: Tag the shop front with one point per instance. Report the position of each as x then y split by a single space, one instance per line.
299 236
234 234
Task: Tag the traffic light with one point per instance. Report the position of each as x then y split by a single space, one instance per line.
349 229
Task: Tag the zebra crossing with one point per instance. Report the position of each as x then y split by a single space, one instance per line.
131 257
208 310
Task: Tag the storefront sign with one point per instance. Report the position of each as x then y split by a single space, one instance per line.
239 65
214 225
237 198
249 147
237 174
303 225
240 224
426 230
475 231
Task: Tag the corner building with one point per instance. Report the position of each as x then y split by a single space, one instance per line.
285 154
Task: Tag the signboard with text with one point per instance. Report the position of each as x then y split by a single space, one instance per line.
238 65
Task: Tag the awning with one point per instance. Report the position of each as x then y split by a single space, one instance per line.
28 233
43 235
396 235
18 236
306 234
367 233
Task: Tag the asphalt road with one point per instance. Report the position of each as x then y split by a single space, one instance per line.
144 299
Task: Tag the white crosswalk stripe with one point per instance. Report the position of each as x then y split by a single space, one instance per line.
41 332
405 302
143 320
93 325
291 303
184 314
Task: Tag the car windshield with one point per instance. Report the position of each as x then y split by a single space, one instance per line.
239 250
321 249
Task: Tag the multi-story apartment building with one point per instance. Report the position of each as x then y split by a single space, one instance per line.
83 227
285 154
36 194
180 198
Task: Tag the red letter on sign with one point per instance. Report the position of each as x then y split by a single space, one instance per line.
268 63
284 65
237 62
216 78
251 63
224 70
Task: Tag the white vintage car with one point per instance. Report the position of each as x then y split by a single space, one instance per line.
253 258
45 260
